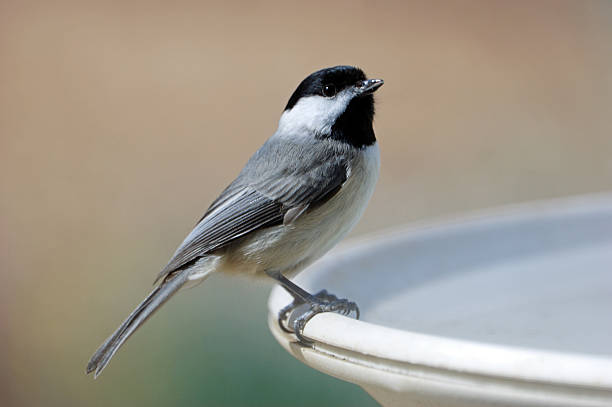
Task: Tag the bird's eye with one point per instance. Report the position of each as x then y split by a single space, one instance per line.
329 90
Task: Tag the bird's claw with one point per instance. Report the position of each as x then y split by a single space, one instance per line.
284 313
323 302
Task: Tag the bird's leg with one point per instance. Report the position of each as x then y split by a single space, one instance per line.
309 305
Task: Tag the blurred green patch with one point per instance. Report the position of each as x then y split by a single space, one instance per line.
211 346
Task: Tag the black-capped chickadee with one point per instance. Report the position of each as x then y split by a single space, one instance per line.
296 197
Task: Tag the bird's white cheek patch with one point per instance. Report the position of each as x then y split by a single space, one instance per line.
312 115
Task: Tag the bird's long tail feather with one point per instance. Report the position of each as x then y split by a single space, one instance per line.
156 299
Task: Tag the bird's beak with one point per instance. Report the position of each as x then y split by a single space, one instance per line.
368 86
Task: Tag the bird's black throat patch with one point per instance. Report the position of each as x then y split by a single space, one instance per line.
354 126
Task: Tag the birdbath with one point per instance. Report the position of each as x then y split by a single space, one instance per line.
504 307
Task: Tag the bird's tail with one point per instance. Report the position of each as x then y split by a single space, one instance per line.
156 299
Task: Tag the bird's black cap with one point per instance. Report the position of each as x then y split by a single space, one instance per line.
340 77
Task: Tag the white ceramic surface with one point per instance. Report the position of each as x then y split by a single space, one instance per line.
505 307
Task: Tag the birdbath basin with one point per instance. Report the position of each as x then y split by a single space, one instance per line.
504 307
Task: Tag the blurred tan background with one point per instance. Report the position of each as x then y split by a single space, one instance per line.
121 121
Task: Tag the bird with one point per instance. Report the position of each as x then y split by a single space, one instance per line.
300 193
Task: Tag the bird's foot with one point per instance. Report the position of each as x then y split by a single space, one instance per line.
293 317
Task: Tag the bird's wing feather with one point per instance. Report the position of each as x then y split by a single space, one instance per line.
244 208
244 211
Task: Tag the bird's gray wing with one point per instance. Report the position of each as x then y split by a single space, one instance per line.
245 207
241 212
